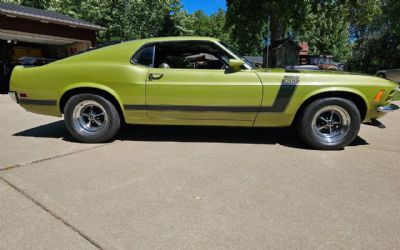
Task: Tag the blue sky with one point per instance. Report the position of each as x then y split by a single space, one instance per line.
208 6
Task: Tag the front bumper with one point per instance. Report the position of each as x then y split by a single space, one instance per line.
393 96
388 108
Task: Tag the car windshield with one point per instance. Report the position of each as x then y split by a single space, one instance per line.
233 51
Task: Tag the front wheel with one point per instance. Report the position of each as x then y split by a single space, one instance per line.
91 118
329 123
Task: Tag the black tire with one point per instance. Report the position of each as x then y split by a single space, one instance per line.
322 130
82 107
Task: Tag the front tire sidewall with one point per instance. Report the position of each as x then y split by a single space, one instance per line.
111 127
306 130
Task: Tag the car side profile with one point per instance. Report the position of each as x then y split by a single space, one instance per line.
198 81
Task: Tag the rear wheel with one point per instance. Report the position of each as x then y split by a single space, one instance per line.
91 118
329 123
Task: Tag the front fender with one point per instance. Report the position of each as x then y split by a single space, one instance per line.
333 90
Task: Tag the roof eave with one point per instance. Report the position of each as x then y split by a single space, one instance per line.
51 20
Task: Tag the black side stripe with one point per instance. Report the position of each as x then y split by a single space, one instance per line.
245 109
283 98
37 102
285 94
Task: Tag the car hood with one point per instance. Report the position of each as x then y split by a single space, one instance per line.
317 72
328 76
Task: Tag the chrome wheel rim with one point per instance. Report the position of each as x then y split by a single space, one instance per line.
89 117
331 124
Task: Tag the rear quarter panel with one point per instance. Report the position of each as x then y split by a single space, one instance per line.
109 70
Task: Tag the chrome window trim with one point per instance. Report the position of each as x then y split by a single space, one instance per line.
154 44
248 67
140 50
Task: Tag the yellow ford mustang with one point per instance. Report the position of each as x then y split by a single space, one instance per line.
197 81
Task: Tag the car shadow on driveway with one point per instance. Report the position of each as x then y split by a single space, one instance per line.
283 136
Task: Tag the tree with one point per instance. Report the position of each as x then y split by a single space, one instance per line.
247 22
124 19
39 4
326 31
172 23
217 26
135 19
179 22
251 20
366 33
375 28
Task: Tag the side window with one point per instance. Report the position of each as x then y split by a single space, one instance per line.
144 57
190 55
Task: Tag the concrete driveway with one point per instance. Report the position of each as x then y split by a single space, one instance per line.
195 188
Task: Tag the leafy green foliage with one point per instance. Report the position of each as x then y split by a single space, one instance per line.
363 33
326 31
124 19
247 22
375 28
136 19
251 20
40 4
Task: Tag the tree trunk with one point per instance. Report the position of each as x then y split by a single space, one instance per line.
276 27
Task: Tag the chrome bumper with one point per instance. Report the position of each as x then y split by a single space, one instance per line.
388 108
394 95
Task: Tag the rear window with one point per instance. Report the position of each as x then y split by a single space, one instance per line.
144 57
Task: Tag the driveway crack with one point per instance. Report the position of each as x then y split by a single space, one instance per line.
56 216
50 158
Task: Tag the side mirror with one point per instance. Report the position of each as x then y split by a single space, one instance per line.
235 64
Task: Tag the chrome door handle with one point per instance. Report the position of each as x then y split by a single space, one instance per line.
155 76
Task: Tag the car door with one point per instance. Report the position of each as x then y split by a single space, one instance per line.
201 94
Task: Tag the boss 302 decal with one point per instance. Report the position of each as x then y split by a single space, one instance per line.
286 91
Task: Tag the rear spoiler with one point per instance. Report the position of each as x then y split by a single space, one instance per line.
27 61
